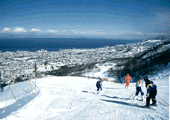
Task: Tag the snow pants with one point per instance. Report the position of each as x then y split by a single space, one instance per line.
127 83
139 89
99 87
152 96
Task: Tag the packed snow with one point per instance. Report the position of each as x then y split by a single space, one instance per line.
75 98
101 71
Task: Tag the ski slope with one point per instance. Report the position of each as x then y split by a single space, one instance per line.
74 98
102 71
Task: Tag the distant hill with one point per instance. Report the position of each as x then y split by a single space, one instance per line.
139 59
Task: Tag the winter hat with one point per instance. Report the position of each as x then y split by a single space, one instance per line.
146 81
146 78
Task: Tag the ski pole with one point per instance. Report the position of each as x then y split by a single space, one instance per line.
159 102
162 99
130 95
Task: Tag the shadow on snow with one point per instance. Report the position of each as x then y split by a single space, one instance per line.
124 103
87 91
116 97
14 107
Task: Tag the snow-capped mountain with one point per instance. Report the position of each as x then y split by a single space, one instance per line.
138 59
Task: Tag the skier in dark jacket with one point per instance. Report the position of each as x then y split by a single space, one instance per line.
151 92
99 85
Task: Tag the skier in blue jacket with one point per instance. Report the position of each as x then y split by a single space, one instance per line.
99 85
151 92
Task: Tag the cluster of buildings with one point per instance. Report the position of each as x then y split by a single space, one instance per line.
23 63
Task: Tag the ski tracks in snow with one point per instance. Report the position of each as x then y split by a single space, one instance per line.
70 98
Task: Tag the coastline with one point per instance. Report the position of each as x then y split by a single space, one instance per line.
52 44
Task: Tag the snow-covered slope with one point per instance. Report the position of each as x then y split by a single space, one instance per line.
145 50
74 98
101 70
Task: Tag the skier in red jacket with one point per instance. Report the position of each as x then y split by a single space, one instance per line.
128 79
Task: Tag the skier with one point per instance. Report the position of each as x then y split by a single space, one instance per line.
128 79
121 80
139 85
99 85
151 92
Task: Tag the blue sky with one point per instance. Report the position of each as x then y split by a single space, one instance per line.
115 19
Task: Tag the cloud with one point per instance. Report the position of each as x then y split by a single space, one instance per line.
64 30
35 30
103 33
6 29
157 34
117 33
139 33
52 31
87 32
75 31
19 29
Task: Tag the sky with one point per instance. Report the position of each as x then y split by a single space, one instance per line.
115 19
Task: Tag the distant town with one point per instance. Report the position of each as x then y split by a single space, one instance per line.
23 63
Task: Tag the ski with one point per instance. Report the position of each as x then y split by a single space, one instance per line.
143 106
98 93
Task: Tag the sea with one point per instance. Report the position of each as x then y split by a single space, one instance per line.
56 44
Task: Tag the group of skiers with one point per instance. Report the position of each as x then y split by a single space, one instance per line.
151 89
